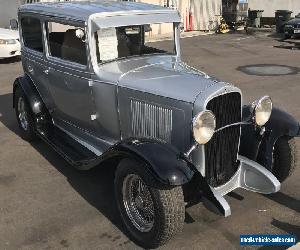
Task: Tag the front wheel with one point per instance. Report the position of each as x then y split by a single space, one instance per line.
284 156
151 215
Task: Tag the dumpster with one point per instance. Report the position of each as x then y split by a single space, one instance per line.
281 17
254 18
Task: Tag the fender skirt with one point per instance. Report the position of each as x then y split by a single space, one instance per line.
258 146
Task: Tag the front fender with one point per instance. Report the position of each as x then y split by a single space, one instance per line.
259 146
165 163
170 167
280 124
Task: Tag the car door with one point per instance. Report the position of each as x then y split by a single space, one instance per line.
33 57
68 76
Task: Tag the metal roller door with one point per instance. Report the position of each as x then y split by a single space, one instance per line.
204 13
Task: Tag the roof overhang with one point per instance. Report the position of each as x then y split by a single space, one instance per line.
117 19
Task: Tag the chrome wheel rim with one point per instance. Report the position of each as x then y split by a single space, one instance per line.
138 203
22 114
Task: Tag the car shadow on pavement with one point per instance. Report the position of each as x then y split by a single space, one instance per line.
7 113
288 44
287 228
96 186
285 200
10 60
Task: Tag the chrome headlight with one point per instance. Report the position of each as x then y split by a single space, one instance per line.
8 41
204 125
262 110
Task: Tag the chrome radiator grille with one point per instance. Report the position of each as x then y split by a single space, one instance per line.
151 121
221 151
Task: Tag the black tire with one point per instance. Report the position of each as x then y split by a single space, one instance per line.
27 132
284 155
168 206
287 36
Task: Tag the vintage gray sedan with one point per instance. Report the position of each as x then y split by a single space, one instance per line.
96 87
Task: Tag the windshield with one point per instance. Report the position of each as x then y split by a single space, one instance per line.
126 41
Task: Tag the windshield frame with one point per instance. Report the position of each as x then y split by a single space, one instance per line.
93 47
171 38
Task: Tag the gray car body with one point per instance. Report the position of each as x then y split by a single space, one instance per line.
98 104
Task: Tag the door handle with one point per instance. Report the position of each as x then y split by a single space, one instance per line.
30 69
46 71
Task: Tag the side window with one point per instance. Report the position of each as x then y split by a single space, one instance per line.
67 42
32 33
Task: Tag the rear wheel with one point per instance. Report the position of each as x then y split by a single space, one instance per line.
284 155
151 215
24 115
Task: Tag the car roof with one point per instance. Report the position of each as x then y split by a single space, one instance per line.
83 10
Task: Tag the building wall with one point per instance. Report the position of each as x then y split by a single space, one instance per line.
195 14
270 6
205 13
8 11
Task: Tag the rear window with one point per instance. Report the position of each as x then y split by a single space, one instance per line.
67 42
32 33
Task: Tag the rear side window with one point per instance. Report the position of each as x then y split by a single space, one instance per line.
32 33
67 42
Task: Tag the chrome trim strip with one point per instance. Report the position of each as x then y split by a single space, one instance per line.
83 143
233 124
194 146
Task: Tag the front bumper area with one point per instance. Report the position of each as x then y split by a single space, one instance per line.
10 50
250 176
292 31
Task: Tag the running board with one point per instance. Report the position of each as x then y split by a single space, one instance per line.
70 149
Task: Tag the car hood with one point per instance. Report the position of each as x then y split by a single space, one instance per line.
162 76
8 34
294 21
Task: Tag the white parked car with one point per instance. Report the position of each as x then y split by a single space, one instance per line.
9 43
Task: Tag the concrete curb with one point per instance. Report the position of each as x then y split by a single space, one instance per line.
266 30
195 33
